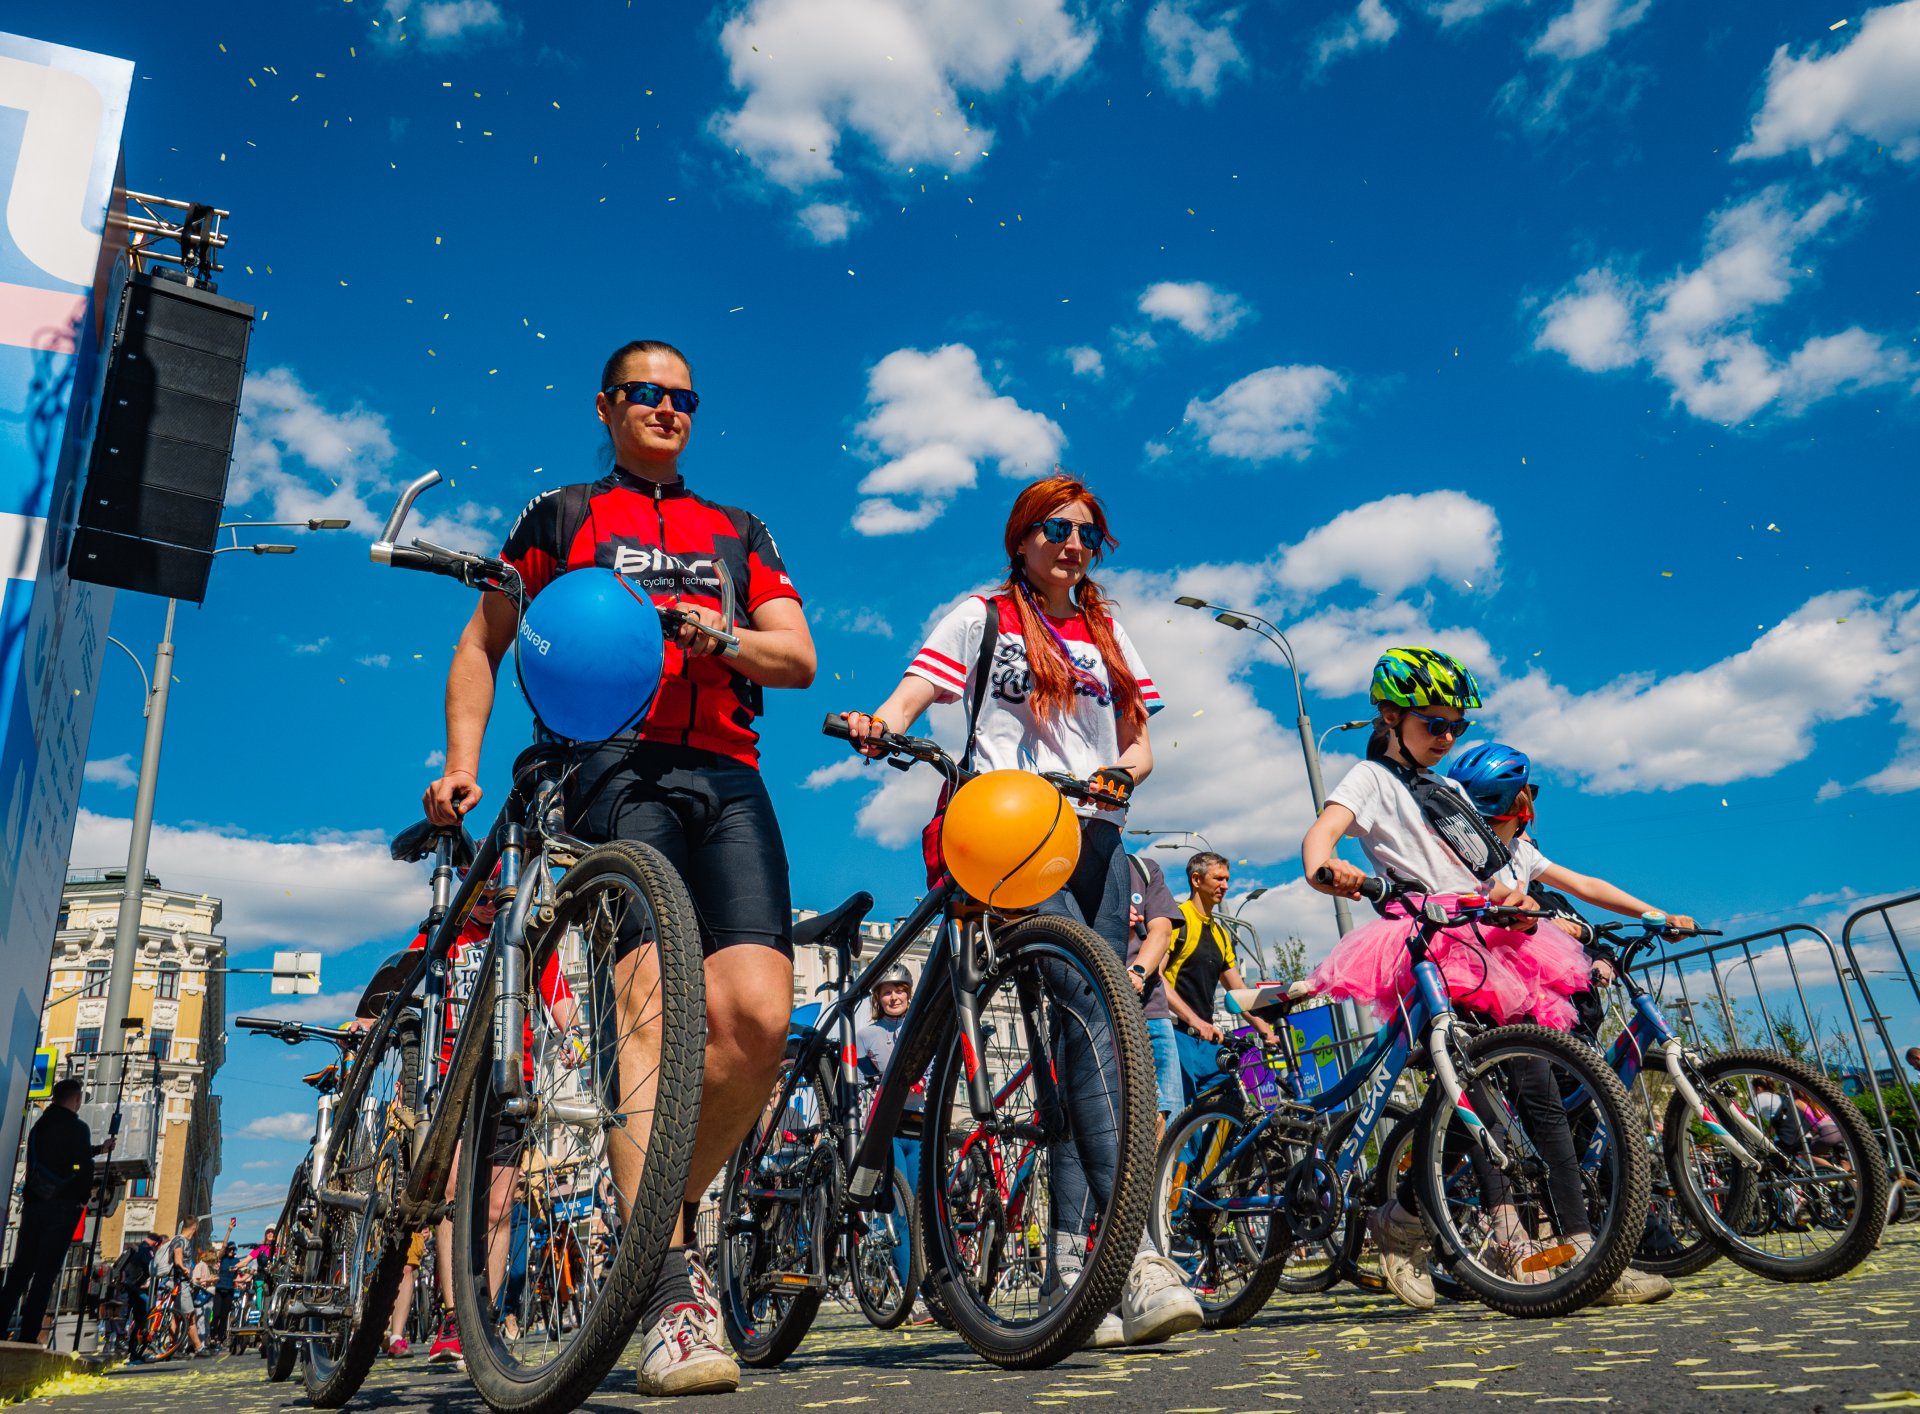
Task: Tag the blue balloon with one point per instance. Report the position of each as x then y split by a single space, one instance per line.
590 654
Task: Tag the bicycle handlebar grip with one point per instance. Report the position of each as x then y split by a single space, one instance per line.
258 1023
1370 887
836 726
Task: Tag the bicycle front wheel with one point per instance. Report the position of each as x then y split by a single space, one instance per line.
1214 1211
599 1142
1032 1216
1800 1214
1537 1235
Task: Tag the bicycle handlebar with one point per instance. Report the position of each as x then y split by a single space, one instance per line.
1471 907
1370 887
919 748
294 1032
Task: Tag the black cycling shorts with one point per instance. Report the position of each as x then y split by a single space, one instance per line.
713 820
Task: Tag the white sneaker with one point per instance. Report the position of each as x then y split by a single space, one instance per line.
1109 1334
1155 1302
1405 1250
1635 1288
678 1358
708 1300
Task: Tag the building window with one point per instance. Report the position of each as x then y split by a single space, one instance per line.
142 1188
86 1041
169 988
160 1043
99 974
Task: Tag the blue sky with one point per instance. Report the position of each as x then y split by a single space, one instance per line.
1576 335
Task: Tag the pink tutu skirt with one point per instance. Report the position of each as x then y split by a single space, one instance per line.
1506 974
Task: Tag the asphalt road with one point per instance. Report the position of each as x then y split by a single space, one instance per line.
1724 1341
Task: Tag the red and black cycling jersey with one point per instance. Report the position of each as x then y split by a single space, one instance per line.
628 520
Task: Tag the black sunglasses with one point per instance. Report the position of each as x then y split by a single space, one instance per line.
1058 528
1442 726
648 395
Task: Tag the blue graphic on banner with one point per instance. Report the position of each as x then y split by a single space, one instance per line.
62 113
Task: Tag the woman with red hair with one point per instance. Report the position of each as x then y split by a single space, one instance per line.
1052 683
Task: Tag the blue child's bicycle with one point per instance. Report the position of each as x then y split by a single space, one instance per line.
1238 1192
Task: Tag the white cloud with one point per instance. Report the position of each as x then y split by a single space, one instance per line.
1397 542
1455 12
295 459
1371 24
319 645
330 892
1292 910
295 1124
255 1204
1868 90
1086 362
444 24
935 419
264 1164
1696 330
113 771
1338 646
848 768
375 660
1592 323
1839 656
321 1009
1273 413
1197 307
827 222
1193 55
817 72
866 621
1587 26
435 758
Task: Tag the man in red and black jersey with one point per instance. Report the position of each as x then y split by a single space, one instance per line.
685 781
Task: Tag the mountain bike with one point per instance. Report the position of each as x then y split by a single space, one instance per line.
1755 1188
286 1308
610 1087
1055 997
1264 1182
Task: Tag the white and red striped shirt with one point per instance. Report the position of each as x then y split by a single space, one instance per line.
1011 735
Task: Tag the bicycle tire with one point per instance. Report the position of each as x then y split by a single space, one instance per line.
1678 1256
358 1252
1263 1273
1862 1230
1621 1221
282 1355
1093 970
891 1314
584 908
797 1232
1353 1265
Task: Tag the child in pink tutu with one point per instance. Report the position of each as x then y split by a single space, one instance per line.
1498 779
1421 829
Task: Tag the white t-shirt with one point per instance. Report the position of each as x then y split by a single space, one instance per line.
1527 864
1395 835
1011 736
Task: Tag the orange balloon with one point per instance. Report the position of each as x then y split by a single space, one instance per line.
1010 839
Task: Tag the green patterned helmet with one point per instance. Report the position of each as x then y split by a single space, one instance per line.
1423 677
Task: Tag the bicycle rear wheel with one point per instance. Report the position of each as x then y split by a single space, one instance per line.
776 1225
356 1261
1204 1213
601 1139
872 1258
1514 1078
1673 1244
1799 1216
1032 1217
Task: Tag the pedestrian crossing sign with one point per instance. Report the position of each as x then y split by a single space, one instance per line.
46 1060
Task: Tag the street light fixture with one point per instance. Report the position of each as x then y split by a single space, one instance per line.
126 937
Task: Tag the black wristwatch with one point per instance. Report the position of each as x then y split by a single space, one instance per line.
1138 971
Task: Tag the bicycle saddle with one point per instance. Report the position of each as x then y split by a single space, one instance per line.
835 927
387 979
324 1079
1268 1002
417 842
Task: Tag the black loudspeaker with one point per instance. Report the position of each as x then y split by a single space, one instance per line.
158 478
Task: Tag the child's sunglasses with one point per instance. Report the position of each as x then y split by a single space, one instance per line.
1442 726
1058 528
648 395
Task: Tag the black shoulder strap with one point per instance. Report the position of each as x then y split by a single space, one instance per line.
1451 817
1140 873
982 667
576 504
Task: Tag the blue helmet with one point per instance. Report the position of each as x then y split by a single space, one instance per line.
1494 775
590 655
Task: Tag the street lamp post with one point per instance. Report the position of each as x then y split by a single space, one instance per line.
126 936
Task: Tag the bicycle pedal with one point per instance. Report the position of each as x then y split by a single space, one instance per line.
1548 1258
